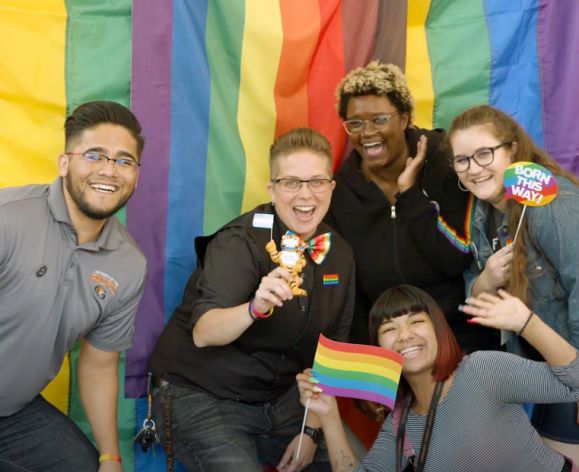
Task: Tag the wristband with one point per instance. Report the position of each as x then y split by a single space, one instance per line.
317 434
526 323
257 315
109 457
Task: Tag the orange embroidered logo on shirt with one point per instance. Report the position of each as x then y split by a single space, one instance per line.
105 280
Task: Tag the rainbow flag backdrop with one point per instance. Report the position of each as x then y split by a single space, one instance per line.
357 371
214 81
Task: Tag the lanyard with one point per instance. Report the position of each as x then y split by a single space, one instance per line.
400 435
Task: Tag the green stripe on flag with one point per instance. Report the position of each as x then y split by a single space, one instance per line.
98 67
225 157
459 50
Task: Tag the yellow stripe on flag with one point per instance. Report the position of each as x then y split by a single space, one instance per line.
256 117
418 73
32 89
391 371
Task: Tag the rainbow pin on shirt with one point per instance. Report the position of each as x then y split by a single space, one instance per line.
331 279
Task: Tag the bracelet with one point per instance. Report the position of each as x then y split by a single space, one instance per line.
526 323
109 457
257 315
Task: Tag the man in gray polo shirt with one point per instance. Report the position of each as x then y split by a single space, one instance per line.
68 271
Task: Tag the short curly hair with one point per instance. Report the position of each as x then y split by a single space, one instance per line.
383 80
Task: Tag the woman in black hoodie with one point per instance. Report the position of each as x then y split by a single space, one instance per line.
398 204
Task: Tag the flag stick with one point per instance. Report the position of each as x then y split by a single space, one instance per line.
303 427
520 222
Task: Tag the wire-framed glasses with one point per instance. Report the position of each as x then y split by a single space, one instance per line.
97 158
289 185
378 123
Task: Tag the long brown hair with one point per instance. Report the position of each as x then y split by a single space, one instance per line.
507 130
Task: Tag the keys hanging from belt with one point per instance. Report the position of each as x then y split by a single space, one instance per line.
147 436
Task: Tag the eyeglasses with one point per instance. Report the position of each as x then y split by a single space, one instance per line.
96 158
294 185
379 123
483 157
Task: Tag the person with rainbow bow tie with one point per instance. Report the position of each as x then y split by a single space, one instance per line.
225 364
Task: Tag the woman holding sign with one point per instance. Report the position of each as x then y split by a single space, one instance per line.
541 266
455 412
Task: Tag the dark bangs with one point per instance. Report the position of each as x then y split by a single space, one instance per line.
393 303
406 299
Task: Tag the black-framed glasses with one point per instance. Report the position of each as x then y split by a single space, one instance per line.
483 157
294 185
378 123
97 158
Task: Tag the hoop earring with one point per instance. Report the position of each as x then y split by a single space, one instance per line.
462 187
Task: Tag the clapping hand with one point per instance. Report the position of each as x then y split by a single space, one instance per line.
407 178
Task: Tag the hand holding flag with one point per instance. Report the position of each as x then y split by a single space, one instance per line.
349 370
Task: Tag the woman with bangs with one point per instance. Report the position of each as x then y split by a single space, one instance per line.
456 412
542 266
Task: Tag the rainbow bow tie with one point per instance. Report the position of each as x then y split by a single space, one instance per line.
318 247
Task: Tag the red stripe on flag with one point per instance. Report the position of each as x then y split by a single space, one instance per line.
326 71
360 349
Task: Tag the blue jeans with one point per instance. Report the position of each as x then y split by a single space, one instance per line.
213 435
40 438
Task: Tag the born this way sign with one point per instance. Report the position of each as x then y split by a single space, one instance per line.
529 184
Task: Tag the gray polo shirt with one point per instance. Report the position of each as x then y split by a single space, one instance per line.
53 291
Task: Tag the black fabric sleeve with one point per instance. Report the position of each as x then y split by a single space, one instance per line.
230 273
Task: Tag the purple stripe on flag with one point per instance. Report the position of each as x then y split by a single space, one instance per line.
146 212
361 394
558 37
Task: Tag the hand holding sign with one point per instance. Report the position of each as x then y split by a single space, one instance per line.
530 184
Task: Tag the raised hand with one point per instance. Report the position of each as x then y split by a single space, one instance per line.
408 176
501 311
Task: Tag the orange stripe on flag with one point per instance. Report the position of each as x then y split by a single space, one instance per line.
301 27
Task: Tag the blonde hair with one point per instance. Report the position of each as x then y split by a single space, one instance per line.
383 80
507 130
299 139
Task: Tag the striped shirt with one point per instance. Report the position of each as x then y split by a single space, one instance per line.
480 424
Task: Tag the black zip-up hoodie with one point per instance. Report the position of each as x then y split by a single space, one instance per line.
407 242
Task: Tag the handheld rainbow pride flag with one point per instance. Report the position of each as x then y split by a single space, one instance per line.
357 371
